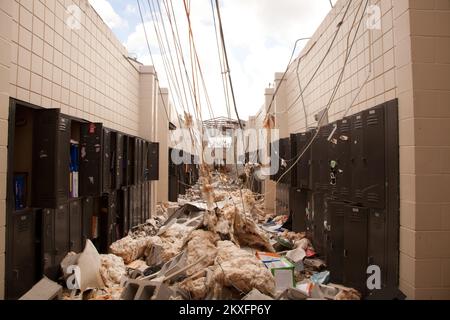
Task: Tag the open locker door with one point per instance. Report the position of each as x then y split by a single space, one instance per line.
91 159
51 157
153 161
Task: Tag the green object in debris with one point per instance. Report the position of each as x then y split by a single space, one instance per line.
285 243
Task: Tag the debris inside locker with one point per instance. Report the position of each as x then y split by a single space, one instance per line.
234 250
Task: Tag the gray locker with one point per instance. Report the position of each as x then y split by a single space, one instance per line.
335 252
374 158
355 247
21 276
359 178
62 232
51 157
75 220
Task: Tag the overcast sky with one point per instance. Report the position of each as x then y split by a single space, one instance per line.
260 35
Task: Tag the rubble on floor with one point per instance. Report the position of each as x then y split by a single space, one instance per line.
217 242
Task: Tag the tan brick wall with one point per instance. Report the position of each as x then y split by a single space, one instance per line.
5 49
425 202
411 62
84 72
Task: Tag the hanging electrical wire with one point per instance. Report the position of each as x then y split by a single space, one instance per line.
319 124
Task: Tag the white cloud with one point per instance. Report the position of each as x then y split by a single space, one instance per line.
108 14
131 9
260 35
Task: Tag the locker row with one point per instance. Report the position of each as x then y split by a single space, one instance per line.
345 194
347 158
73 158
41 238
69 180
182 175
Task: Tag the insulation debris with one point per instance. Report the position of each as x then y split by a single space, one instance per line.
206 246
199 244
129 248
112 269
238 269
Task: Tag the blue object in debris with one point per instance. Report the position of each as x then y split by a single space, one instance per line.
321 277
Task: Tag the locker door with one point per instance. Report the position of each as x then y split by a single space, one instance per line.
75 220
114 160
377 241
344 176
49 266
62 232
145 168
51 157
335 260
304 164
287 157
88 213
125 210
357 158
374 158
333 160
297 207
355 248
324 165
294 151
125 161
112 218
318 219
106 161
91 159
153 161
130 161
119 166
136 161
22 274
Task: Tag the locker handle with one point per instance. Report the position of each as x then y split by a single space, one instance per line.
345 253
16 273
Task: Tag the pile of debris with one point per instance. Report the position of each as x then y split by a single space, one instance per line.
216 243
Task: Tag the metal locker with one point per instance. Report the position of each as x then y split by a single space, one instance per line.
88 213
75 220
112 218
130 161
377 241
323 157
318 231
62 232
49 267
106 161
119 161
304 164
21 276
125 161
173 188
153 161
358 181
355 247
335 252
286 155
344 174
136 169
374 158
297 208
142 201
91 159
125 210
293 155
145 168
51 157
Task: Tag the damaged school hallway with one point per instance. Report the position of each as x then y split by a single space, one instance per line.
121 180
